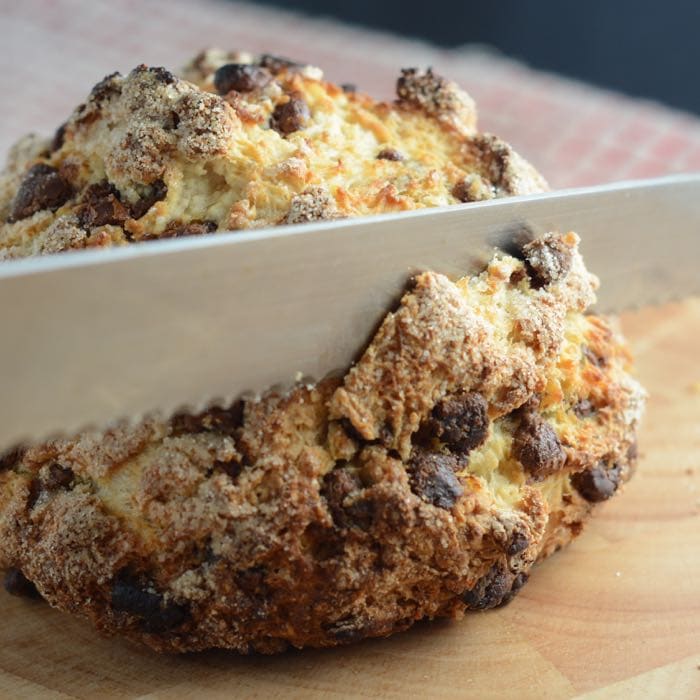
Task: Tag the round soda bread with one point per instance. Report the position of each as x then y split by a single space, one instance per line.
474 436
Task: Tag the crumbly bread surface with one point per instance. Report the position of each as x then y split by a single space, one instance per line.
258 142
474 436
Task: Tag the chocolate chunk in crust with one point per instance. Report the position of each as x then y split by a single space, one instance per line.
241 77
547 259
215 420
491 589
432 477
163 75
597 484
131 596
17 584
158 191
59 477
537 447
473 188
460 421
106 87
10 458
290 116
232 469
519 542
102 206
42 188
58 138
34 490
389 154
338 485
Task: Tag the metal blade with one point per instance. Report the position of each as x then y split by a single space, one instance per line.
94 336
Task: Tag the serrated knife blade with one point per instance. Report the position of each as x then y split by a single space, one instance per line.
90 337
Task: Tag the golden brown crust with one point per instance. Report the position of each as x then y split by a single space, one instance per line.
475 435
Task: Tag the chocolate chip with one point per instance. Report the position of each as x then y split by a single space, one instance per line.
537 447
42 188
105 88
491 589
162 75
131 595
157 192
176 229
462 191
290 116
10 458
59 477
460 421
172 121
337 485
517 276
276 64
214 420
102 206
547 260
519 542
473 188
16 583
432 477
584 409
518 582
33 492
597 484
348 88
232 469
389 154
58 138
240 77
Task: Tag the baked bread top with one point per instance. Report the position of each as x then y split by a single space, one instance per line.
243 142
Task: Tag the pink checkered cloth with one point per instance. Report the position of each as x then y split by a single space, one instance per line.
53 51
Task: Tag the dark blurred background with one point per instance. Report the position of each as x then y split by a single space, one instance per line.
643 48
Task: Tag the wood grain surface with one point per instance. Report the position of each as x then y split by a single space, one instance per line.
617 614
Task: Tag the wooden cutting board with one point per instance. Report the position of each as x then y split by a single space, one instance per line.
617 614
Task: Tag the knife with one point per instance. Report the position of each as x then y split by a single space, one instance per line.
94 336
